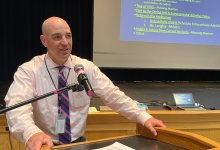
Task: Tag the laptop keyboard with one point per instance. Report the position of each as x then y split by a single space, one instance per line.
194 108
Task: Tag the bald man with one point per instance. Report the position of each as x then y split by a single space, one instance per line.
35 124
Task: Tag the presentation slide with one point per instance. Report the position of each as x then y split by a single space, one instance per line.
171 21
160 34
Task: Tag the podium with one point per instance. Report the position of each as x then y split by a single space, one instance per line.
143 139
102 125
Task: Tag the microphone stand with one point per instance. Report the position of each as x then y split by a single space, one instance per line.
74 87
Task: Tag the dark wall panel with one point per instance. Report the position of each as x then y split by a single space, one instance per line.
21 28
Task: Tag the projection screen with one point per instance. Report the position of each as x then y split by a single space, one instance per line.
173 34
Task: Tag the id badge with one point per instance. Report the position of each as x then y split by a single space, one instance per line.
60 123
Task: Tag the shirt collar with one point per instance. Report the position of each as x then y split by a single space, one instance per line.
51 64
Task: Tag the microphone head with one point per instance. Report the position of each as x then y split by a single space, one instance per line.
83 79
78 68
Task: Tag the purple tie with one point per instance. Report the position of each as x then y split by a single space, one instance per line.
63 107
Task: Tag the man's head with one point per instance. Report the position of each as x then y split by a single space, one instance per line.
57 38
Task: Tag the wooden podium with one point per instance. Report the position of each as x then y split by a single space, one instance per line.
143 139
102 125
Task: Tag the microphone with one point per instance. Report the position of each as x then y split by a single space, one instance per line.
83 79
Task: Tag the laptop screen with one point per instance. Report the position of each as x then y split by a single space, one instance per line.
184 99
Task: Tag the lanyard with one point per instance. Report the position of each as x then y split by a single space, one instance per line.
51 76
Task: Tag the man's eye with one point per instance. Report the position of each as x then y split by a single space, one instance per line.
57 37
68 36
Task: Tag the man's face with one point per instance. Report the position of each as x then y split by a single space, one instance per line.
58 40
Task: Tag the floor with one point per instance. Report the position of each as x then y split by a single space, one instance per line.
156 93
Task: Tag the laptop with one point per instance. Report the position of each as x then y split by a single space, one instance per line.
185 101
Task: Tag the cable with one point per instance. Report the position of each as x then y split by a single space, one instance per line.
9 137
10 140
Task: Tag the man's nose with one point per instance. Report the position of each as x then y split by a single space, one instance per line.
64 41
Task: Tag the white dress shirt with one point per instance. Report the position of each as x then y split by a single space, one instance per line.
32 79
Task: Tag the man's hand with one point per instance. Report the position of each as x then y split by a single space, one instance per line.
37 140
151 123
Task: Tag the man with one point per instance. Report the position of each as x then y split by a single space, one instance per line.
40 122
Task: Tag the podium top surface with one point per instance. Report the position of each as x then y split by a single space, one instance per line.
135 142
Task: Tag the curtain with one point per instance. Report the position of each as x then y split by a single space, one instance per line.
21 28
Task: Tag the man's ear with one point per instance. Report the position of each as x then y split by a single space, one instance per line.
43 40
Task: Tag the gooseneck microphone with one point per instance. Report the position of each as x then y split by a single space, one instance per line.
83 79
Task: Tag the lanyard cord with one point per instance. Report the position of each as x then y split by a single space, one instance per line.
50 74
